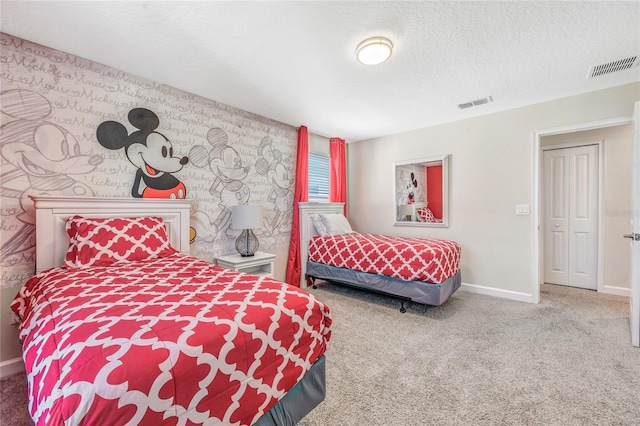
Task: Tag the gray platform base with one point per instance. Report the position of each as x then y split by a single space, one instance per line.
300 400
416 291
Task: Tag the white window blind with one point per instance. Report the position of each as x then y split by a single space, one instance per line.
318 178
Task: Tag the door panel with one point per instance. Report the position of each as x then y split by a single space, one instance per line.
571 216
556 236
581 186
581 247
583 224
559 260
557 187
635 220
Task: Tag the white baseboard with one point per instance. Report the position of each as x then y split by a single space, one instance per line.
526 297
618 291
496 292
11 367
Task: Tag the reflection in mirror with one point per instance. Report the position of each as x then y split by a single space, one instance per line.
421 192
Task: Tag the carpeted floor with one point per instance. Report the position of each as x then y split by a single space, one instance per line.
479 360
13 405
475 360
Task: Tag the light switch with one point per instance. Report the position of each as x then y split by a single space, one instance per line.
522 209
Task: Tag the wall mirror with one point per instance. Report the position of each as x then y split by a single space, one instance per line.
422 192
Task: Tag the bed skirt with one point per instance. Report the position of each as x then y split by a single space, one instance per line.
300 400
416 291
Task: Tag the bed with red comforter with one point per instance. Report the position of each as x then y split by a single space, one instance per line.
422 270
170 340
404 258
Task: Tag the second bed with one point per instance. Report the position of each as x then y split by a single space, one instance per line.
421 270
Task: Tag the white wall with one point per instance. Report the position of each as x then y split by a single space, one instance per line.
491 170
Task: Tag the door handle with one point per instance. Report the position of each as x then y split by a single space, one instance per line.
634 237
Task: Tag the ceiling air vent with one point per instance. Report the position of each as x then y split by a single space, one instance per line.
615 66
476 102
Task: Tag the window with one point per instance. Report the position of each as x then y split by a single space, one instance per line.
318 178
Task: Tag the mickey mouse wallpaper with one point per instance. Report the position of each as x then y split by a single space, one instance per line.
150 151
269 164
72 127
38 157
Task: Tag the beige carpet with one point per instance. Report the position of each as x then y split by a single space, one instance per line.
477 360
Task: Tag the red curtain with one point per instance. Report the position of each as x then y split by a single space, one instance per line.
338 172
300 195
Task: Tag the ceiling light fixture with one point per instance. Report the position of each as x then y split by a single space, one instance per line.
374 50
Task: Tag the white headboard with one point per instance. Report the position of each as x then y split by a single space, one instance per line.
307 230
52 212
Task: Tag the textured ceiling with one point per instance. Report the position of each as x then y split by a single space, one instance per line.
294 61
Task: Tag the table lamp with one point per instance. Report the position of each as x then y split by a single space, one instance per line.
246 217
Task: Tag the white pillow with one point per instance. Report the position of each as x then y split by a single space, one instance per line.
336 224
317 223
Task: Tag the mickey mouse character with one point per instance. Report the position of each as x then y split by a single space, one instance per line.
150 151
38 157
269 163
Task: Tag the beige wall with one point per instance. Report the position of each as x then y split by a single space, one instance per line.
491 170
616 195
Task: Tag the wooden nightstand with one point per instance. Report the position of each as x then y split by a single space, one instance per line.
262 264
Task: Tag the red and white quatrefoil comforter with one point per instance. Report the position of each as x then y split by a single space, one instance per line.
172 340
404 258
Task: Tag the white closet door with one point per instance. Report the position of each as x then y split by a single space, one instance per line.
571 216
556 239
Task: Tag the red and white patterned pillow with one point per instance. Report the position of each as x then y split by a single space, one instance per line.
425 214
103 241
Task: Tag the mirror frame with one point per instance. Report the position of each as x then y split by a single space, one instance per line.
445 191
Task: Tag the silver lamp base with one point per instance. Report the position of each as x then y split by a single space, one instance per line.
247 243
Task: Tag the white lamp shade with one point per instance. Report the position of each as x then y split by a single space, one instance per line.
405 209
246 216
374 50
